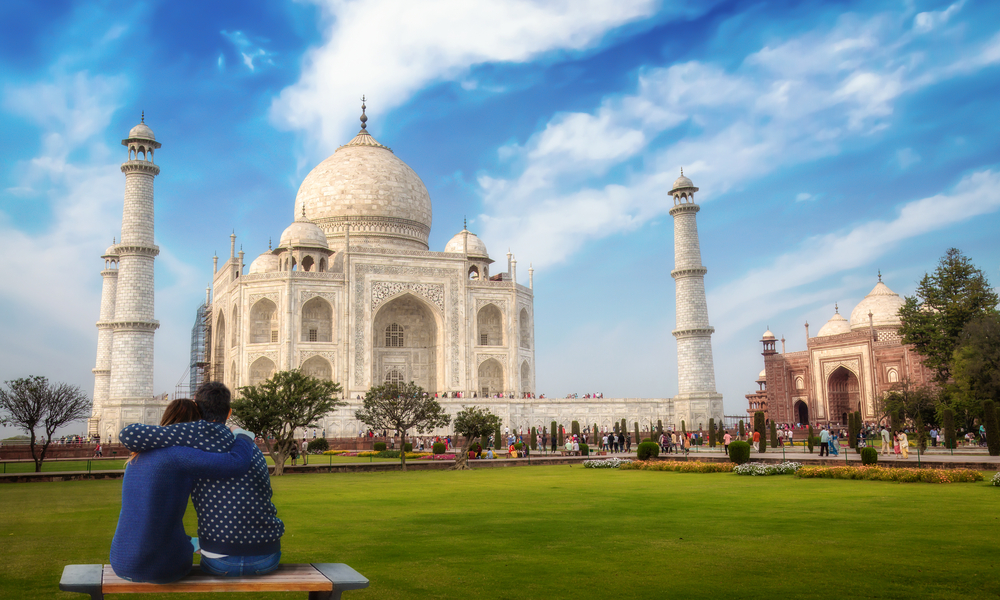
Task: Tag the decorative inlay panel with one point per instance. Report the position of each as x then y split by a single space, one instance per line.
272 296
383 290
499 302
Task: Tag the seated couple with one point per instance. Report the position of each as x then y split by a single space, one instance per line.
193 453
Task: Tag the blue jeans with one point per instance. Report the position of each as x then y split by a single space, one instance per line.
238 566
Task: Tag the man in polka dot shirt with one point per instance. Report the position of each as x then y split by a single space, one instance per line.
238 528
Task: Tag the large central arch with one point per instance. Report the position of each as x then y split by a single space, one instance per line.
843 394
406 340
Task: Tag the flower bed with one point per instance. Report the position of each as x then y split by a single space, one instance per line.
679 466
754 469
337 452
996 479
436 457
609 463
897 474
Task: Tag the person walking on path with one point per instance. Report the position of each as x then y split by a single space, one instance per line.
725 442
305 452
824 441
904 445
756 441
886 442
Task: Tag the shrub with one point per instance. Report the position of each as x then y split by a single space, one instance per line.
996 479
647 450
575 427
408 447
774 435
743 431
739 452
584 450
637 432
497 439
518 445
379 447
553 437
318 445
562 442
810 439
679 466
990 422
869 455
899 475
948 416
533 438
609 463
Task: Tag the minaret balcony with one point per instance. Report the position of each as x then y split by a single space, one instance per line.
140 166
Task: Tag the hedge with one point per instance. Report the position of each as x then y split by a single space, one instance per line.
318 445
869 455
438 447
739 452
647 450
379 447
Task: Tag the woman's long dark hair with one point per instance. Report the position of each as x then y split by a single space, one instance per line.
181 410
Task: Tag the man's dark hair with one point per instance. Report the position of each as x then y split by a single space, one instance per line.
213 400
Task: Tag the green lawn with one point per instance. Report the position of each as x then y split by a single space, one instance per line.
567 532
106 464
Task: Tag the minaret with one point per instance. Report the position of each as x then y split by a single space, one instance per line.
102 370
697 400
131 389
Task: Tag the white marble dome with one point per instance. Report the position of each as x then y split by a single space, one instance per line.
762 376
265 263
682 182
476 247
141 131
835 326
303 233
767 335
365 187
883 303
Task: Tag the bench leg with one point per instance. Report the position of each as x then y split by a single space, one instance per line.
83 579
334 595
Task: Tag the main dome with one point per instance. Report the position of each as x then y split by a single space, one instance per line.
883 303
365 187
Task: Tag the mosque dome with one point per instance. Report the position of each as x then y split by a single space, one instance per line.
835 326
141 131
476 247
883 303
762 376
265 263
303 233
363 186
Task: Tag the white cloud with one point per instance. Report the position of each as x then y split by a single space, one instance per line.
390 49
249 50
927 21
786 104
822 256
803 196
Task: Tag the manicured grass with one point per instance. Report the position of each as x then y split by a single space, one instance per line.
566 532
53 466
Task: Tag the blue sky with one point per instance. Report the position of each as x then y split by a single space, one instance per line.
829 140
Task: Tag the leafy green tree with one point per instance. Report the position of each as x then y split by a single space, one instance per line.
473 422
399 408
275 408
990 423
758 426
945 301
32 402
907 399
976 367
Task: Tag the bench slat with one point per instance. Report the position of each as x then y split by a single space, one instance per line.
286 578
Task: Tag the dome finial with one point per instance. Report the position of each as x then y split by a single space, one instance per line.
364 117
465 223
269 243
143 119
880 275
836 308
682 171
303 210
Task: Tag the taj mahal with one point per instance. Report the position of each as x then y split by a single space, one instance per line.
353 293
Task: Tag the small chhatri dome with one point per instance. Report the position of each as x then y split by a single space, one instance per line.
303 233
883 303
682 182
475 246
767 335
267 262
142 131
836 325
762 376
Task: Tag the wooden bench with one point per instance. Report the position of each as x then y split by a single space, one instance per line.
323 581
564 452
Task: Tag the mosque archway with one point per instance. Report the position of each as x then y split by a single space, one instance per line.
264 322
843 394
317 321
261 370
406 336
490 326
490 377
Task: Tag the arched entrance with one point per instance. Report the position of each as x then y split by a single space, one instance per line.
802 412
490 377
843 394
405 339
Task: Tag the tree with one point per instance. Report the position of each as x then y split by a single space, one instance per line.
743 431
659 428
275 408
774 435
638 438
711 432
534 438
32 402
575 427
948 418
918 423
473 422
944 303
554 439
399 408
758 426
809 439
976 367
908 399
852 429
990 423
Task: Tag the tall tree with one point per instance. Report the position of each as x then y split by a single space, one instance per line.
32 402
474 422
945 301
399 408
275 408
908 399
992 429
976 367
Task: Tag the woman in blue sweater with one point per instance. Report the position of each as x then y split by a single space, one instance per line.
150 544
